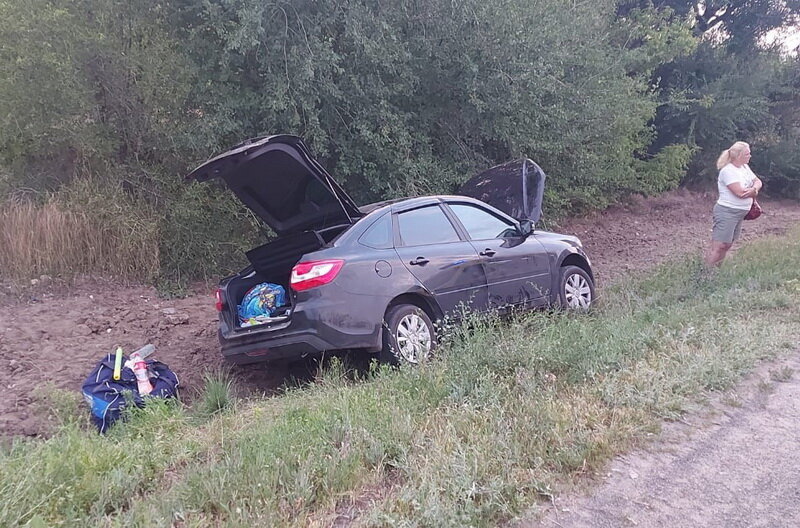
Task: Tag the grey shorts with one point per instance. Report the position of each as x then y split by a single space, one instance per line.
727 223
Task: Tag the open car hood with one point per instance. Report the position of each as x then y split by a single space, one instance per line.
515 187
279 180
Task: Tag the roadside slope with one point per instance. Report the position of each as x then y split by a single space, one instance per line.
508 412
53 334
650 231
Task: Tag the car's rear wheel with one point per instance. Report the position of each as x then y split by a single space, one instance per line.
408 335
576 289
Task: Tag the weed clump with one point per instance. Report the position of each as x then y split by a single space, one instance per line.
217 395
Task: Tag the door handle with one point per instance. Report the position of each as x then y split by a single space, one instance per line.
419 261
488 252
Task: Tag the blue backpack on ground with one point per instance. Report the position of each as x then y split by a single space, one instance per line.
106 396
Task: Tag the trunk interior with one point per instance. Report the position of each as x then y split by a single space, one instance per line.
273 262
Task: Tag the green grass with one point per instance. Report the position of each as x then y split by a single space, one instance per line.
217 394
477 437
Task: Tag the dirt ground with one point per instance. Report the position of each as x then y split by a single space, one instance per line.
53 333
649 231
732 464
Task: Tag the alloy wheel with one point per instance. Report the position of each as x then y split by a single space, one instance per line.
414 338
577 292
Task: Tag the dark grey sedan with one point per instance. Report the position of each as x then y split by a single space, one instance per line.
377 277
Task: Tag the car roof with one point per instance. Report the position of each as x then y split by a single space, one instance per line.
405 204
373 210
410 203
366 209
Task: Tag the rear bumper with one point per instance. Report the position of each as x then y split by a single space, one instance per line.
317 325
243 351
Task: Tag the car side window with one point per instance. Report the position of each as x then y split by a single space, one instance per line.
481 224
426 225
379 234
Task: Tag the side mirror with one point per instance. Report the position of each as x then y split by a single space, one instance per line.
525 227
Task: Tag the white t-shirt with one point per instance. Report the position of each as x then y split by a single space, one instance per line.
729 174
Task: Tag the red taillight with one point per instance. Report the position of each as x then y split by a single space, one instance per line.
307 275
219 304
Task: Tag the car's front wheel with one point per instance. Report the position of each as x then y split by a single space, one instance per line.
576 289
408 335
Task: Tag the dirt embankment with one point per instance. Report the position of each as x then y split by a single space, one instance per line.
650 231
49 333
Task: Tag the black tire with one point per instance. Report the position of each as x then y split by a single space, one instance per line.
575 289
408 335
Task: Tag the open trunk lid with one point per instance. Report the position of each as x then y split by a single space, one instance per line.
278 179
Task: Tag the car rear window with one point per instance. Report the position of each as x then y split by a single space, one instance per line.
426 225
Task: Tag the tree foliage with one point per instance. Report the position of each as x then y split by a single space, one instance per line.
735 85
740 25
395 98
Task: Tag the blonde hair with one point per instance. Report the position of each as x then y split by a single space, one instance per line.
733 152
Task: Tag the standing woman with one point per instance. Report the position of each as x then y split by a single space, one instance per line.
737 187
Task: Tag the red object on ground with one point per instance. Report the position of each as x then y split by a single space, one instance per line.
142 376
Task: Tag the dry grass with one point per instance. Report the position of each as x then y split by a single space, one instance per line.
51 239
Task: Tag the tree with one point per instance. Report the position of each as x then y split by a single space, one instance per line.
725 90
741 24
395 98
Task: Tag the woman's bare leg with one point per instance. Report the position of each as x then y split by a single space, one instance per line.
717 252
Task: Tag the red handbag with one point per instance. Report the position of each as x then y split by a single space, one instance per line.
754 212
